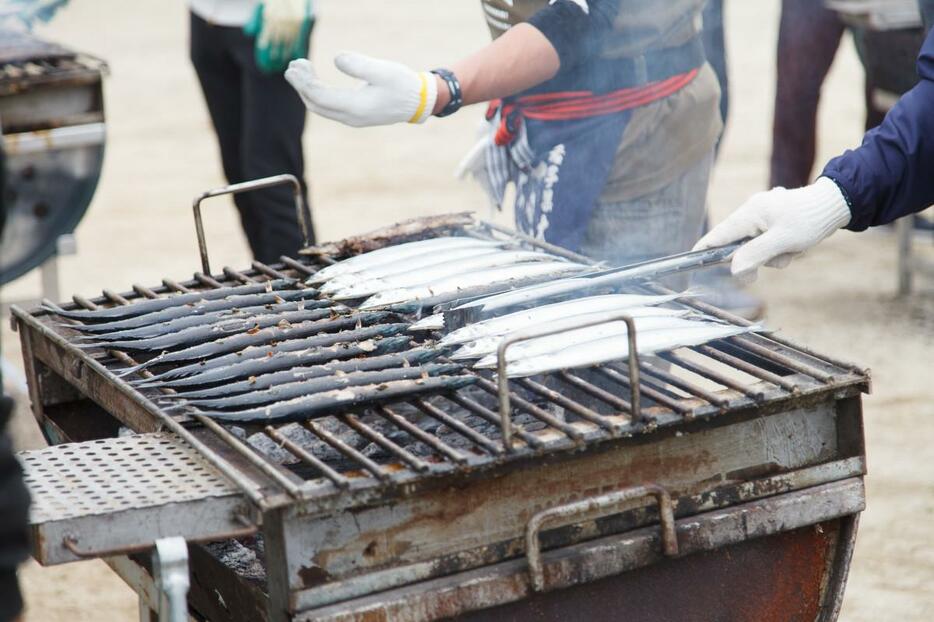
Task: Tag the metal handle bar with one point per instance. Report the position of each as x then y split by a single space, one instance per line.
586 506
247 186
72 543
503 378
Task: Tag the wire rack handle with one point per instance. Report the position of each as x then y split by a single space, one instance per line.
503 378
249 186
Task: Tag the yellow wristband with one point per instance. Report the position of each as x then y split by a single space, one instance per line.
422 99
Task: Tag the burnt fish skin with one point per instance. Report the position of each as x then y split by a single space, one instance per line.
206 308
278 361
157 304
416 356
210 332
322 404
301 388
274 334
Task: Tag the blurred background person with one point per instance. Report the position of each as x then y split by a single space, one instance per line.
603 118
239 49
887 34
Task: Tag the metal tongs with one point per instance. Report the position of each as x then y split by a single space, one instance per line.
476 309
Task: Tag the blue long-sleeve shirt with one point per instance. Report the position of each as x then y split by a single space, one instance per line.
892 173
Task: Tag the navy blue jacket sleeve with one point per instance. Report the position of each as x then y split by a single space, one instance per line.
892 173
573 26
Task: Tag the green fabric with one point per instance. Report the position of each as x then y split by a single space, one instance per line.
275 58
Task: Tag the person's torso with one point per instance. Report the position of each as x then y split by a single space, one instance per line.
224 12
640 25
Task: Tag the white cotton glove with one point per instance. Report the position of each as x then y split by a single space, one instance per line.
391 93
783 223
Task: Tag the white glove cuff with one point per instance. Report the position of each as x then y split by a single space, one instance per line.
828 206
427 97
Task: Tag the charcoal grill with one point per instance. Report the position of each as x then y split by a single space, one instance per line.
717 482
53 132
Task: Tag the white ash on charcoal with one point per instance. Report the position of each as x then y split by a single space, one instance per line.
244 558
308 441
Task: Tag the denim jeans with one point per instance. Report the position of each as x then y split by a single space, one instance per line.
662 223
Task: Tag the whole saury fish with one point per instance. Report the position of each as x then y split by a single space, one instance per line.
402 265
300 388
682 262
424 275
278 360
395 253
454 285
558 310
321 404
318 340
149 305
199 334
274 334
544 345
225 321
483 346
395 358
617 347
204 308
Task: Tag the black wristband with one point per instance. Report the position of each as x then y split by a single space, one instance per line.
454 87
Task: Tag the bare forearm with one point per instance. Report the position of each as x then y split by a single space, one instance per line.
518 60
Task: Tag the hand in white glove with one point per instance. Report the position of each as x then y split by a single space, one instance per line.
783 223
392 92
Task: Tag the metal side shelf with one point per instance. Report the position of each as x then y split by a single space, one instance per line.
118 495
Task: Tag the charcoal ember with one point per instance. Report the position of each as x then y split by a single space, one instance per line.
310 442
237 431
270 448
244 560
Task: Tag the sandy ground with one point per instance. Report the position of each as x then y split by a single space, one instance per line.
161 152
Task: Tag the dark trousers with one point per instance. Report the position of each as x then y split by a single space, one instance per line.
259 121
808 37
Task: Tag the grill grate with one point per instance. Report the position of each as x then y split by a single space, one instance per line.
457 432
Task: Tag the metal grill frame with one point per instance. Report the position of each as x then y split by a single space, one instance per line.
282 500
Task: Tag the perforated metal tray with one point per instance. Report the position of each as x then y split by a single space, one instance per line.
119 494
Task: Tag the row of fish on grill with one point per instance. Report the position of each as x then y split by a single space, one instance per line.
285 350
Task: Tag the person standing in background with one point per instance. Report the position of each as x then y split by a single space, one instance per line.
603 115
239 49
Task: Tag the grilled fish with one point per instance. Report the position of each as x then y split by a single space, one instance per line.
204 308
488 345
321 404
431 246
292 390
235 343
682 262
530 317
157 304
617 347
336 347
422 275
453 286
416 356
318 340
400 266
199 334
554 343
